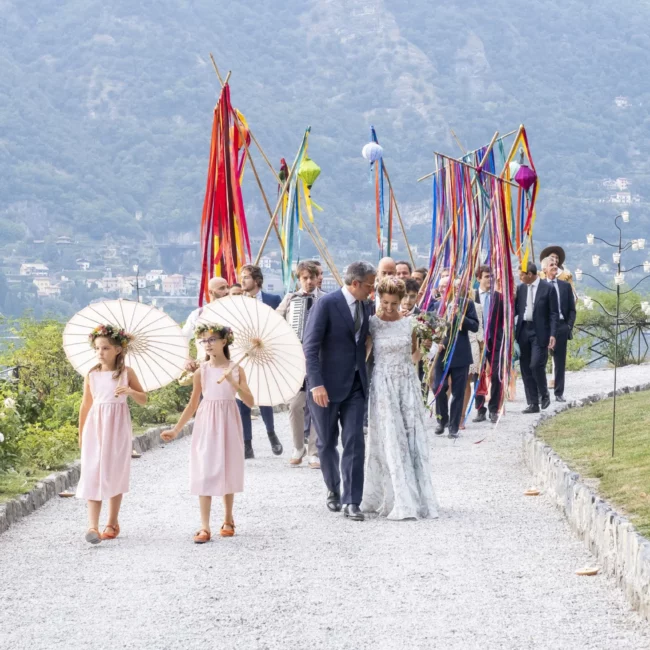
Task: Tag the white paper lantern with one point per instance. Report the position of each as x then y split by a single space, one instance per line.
590 239
616 257
595 260
578 274
626 216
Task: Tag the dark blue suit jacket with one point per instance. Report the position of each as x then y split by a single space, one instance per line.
330 348
271 300
545 312
462 354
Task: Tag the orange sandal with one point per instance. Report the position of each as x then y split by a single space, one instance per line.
224 532
112 535
202 536
93 536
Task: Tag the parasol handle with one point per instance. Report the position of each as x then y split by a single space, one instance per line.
229 370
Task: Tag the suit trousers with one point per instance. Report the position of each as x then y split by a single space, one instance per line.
350 414
495 391
245 412
297 422
559 356
458 377
532 360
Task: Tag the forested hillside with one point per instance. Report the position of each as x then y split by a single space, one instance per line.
107 106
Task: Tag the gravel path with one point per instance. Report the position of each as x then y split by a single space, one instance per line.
496 570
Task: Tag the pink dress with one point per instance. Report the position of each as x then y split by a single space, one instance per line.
106 440
217 452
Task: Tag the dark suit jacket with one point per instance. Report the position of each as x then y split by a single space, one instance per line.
330 348
462 354
271 300
567 304
545 312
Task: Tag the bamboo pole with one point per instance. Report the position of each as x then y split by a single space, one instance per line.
279 203
323 253
399 217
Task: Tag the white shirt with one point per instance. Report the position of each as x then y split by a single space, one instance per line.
352 304
559 302
530 300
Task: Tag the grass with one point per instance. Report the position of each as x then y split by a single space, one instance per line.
583 438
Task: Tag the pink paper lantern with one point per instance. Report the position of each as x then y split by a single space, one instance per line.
525 177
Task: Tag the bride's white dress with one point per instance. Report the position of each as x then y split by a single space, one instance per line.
397 481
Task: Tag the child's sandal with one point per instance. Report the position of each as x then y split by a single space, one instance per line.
93 536
224 532
202 536
111 535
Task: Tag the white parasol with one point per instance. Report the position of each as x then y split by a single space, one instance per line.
159 349
265 347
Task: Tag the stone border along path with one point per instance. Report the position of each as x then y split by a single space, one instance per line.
496 570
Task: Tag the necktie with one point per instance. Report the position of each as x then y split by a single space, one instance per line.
357 316
557 293
486 308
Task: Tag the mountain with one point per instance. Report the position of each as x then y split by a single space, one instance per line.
108 106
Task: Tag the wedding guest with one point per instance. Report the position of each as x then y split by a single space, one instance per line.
408 306
536 309
319 279
397 481
306 296
252 279
385 268
217 452
217 288
235 289
476 342
565 323
419 274
458 365
105 432
403 270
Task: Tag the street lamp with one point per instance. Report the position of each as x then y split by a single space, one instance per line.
136 270
619 280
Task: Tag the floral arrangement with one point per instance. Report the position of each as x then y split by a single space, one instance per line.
431 330
117 335
218 330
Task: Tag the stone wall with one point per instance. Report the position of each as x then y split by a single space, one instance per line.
620 550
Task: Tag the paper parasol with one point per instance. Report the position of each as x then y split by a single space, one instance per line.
265 347
159 349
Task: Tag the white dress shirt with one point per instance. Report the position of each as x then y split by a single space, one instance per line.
530 300
352 304
559 302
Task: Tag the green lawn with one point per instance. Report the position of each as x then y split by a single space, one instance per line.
583 438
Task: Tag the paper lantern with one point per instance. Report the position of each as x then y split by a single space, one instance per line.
525 177
309 171
372 152
513 167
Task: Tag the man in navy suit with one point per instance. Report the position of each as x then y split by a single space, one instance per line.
335 350
566 320
458 372
537 314
251 280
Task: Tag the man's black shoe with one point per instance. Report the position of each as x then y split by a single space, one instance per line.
452 434
334 501
351 511
533 408
494 418
276 445
248 450
559 398
480 417
546 402
440 429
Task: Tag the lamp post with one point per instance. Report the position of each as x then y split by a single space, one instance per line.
136 270
619 280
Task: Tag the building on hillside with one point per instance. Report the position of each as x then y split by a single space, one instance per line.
155 275
329 284
174 285
64 240
45 289
83 264
622 102
37 270
110 284
273 283
266 262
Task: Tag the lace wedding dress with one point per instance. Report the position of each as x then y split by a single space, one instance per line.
397 482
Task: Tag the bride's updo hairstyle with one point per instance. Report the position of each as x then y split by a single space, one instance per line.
392 287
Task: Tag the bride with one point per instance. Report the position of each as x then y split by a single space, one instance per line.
397 481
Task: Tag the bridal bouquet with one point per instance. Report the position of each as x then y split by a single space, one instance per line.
431 330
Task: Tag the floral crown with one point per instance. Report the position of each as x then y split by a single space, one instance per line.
115 334
219 330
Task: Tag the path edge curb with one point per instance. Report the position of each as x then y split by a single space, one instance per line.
621 551
49 487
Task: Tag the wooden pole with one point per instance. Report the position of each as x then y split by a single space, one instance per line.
399 217
323 252
279 203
